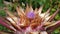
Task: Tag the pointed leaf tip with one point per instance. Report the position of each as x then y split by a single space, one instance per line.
52 16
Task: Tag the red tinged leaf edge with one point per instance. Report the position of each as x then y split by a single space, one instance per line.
6 25
52 28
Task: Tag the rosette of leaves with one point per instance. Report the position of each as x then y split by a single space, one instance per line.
29 21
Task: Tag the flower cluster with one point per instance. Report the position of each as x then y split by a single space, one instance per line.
29 21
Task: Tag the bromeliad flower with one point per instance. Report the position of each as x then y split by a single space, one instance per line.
30 21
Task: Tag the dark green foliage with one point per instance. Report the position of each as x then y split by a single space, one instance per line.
2 13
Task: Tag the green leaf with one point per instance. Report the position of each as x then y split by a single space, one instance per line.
2 13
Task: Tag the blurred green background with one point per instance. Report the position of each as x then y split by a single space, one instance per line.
35 4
